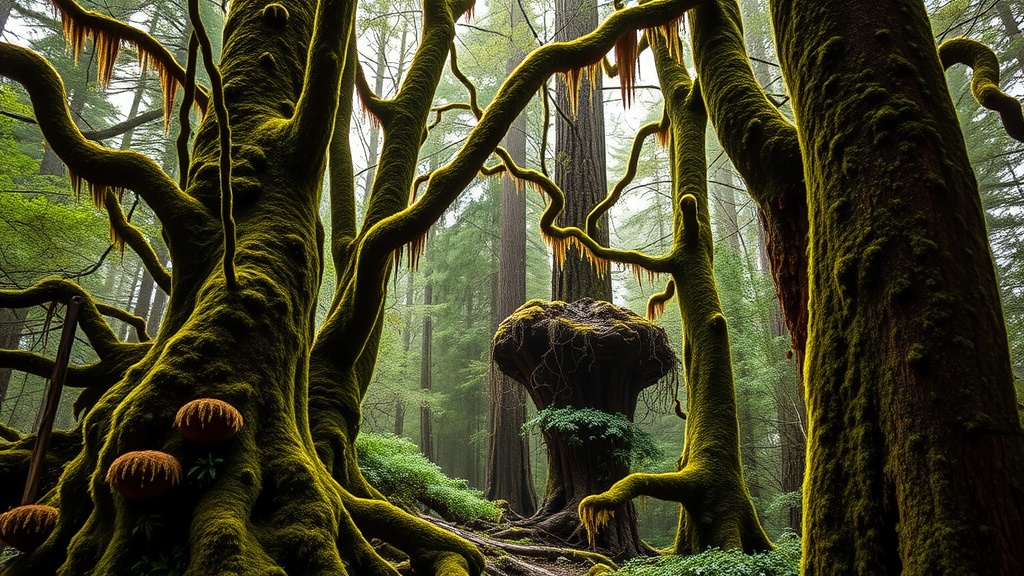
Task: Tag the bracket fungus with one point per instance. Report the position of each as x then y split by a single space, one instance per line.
208 421
26 527
587 354
144 474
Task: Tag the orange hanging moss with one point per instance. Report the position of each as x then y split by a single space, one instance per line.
208 421
26 527
144 474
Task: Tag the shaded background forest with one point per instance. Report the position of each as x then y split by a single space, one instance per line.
430 383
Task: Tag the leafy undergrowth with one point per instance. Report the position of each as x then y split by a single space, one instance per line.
784 561
396 467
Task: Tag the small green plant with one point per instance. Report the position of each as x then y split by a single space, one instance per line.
162 563
396 467
204 470
147 525
783 561
635 447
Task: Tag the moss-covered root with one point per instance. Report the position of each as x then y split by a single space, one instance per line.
431 550
715 509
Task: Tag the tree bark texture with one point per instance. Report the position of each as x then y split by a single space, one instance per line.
509 476
587 354
916 453
579 160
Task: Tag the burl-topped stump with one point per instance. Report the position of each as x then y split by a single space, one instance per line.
585 354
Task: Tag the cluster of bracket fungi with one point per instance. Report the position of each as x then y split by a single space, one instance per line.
141 476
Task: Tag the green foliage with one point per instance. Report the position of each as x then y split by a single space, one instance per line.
579 425
162 563
396 467
784 561
204 470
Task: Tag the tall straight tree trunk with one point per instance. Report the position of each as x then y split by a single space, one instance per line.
426 382
12 324
579 161
156 311
729 228
790 411
915 445
508 452
5 12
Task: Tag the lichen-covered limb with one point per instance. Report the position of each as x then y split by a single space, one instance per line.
83 21
761 143
561 237
358 300
100 166
390 233
376 106
431 550
474 106
325 61
634 158
439 112
227 218
184 113
96 329
127 233
985 82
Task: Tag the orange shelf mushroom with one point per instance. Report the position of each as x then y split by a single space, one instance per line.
208 421
144 474
26 527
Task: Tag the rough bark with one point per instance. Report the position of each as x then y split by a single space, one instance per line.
915 448
587 354
579 160
426 371
509 476
716 508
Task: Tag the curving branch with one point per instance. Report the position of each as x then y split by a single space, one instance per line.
604 205
96 329
474 105
325 61
560 238
184 116
440 110
985 81
109 34
759 140
227 219
101 167
376 107
656 307
124 232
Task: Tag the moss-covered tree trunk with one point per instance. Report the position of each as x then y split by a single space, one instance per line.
715 507
284 494
916 454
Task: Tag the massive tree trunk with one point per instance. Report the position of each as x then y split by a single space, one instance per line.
579 160
916 453
584 364
509 476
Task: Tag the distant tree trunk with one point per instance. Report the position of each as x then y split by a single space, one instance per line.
12 323
580 161
508 453
790 411
1009 23
426 383
729 228
156 311
916 452
5 12
406 344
